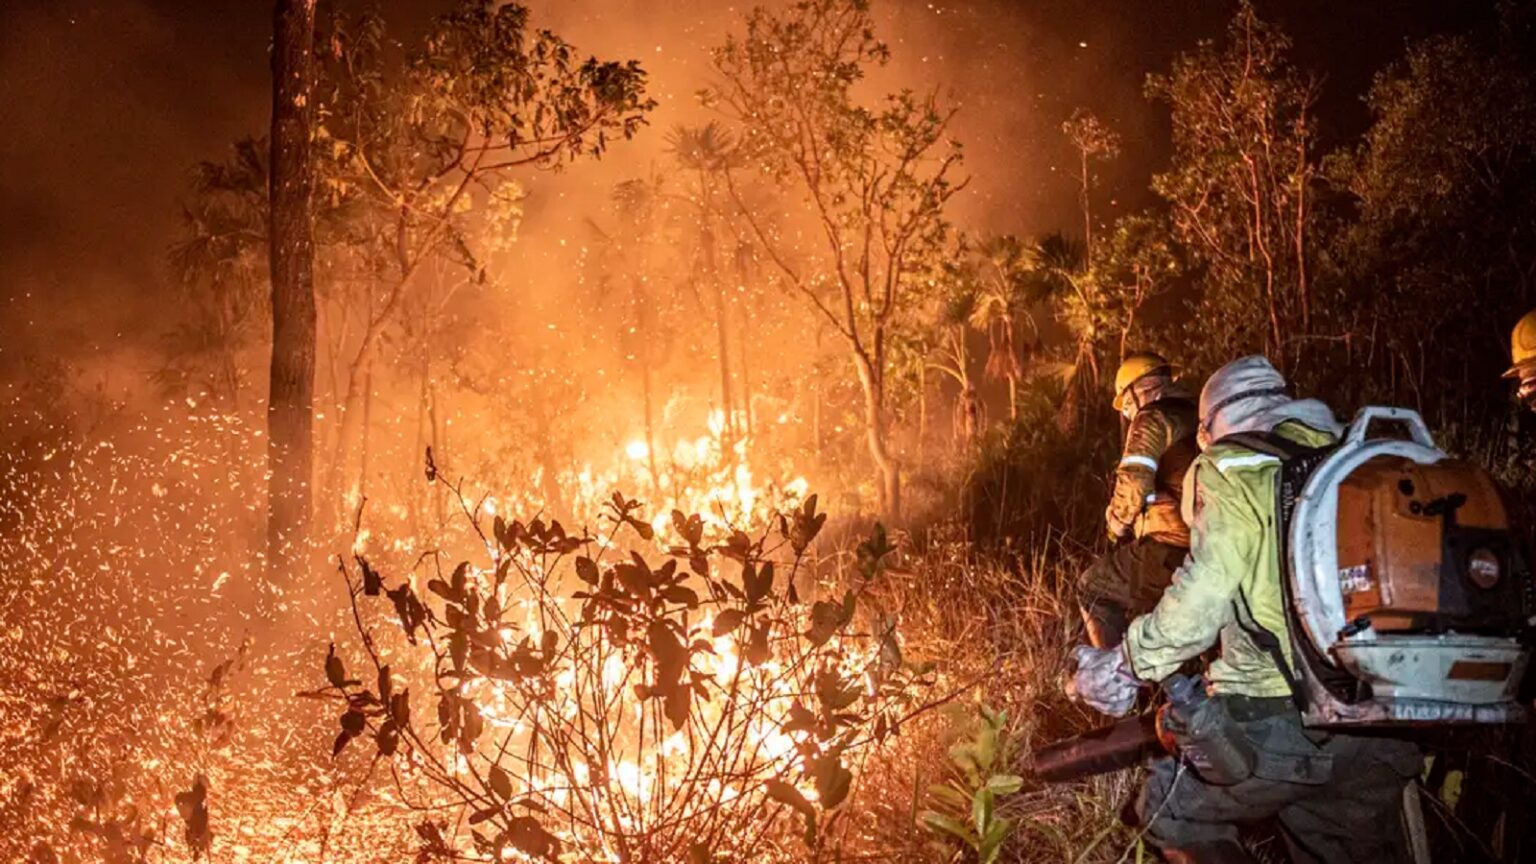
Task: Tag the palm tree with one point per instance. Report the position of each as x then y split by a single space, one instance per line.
956 312
1063 275
1003 270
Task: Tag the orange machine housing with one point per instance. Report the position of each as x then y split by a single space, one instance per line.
1393 519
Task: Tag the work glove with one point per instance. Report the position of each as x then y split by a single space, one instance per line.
1104 680
1116 528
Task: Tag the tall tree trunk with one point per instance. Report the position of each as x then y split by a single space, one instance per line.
439 432
816 401
1303 172
650 432
420 492
746 369
362 461
922 415
876 435
743 336
1087 206
644 356
722 326
290 401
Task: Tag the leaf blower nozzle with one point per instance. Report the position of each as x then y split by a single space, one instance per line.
1110 748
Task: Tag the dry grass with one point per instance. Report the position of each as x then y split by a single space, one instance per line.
1001 630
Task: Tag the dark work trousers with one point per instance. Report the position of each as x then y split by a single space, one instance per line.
1125 583
1337 798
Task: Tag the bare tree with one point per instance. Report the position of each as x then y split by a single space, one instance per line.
876 183
1238 189
1094 142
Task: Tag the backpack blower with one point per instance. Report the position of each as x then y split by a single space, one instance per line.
1408 592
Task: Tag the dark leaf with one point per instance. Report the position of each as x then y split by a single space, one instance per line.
501 783
826 620
786 793
681 595
473 725
801 719
728 620
458 649
193 807
525 834
677 703
757 581
586 570
757 652
335 672
807 525
832 780
387 738
667 650
873 552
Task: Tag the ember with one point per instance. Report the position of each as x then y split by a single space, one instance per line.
700 433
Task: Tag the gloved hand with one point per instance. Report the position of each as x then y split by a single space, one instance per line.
1115 527
1104 680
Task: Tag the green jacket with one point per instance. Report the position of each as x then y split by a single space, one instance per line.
1232 574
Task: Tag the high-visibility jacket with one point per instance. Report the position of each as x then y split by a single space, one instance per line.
1159 447
1229 587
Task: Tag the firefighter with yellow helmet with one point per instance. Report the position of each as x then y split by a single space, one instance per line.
1144 506
1522 357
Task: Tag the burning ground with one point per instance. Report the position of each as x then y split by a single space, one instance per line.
706 436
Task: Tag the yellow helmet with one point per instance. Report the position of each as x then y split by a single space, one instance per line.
1144 363
1522 346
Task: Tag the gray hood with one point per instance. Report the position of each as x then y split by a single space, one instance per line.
1248 395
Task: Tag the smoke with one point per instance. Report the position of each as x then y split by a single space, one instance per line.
109 105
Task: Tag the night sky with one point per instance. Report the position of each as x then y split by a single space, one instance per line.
107 105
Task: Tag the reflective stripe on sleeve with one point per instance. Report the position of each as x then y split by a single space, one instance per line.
1146 462
1250 461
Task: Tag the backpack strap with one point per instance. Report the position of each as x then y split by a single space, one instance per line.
1270 643
1268 443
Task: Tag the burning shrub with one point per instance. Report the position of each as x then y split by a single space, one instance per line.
576 700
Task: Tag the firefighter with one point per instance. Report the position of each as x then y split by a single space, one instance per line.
1143 514
1336 796
1522 351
